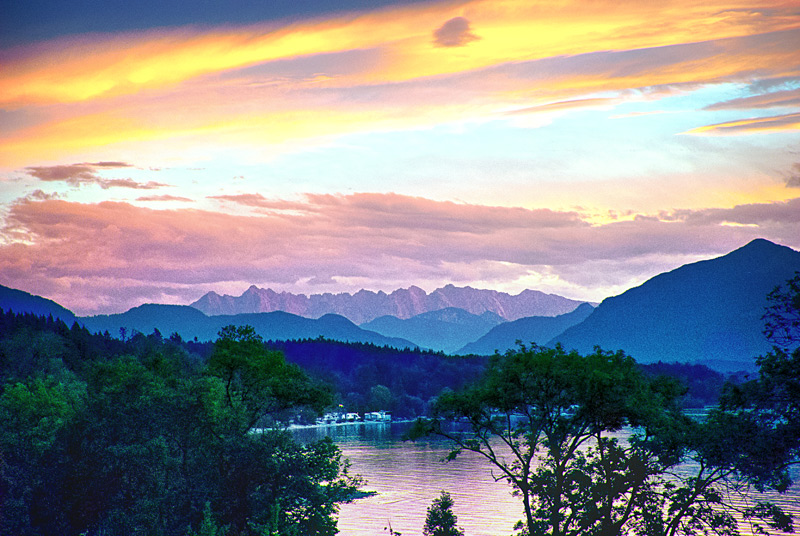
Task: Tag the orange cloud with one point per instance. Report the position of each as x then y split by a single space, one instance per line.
775 99
236 112
757 125
510 30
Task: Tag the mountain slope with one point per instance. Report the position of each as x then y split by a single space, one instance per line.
365 306
707 312
444 330
22 302
534 329
191 323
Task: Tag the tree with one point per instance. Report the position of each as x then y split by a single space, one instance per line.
771 403
152 442
549 422
258 383
441 521
782 316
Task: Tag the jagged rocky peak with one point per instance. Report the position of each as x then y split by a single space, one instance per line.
365 305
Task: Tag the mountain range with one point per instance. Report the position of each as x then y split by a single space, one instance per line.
190 323
445 330
365 306
707 312
533 329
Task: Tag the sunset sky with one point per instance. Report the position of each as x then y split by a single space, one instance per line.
154 151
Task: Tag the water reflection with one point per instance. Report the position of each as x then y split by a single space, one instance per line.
408 476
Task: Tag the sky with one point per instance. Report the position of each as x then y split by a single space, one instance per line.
157 150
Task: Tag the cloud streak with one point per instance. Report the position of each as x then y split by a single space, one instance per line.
511 30
88 173
756 125
248 110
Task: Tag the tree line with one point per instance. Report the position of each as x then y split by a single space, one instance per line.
108 437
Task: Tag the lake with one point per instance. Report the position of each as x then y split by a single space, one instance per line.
408 476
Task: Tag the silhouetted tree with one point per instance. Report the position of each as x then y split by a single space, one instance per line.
441 521
548 421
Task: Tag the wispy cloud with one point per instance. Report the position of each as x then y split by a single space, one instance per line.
250 200
88 173
776 99
756 125
157 198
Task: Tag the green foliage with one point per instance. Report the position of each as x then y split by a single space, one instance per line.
547 420
782 317
441 521
258 383
147 441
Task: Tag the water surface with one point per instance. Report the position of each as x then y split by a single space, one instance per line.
408 476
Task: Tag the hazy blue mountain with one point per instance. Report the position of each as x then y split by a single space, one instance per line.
533 329
444 330
365 306
707 312
190 323
22 302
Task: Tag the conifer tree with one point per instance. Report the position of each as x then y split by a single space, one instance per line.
441 521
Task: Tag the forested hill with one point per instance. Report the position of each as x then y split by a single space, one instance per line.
534 329
363 376
707 312
23 302
190 323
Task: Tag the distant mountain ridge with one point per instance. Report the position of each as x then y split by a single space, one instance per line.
445 330
532 329
189 323
365 306
708 312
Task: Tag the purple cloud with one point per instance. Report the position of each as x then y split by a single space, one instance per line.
88 173
454 33
337 243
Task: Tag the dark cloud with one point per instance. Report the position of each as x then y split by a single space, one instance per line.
454 33
39 195
109 164
88 173
793 180
73 174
